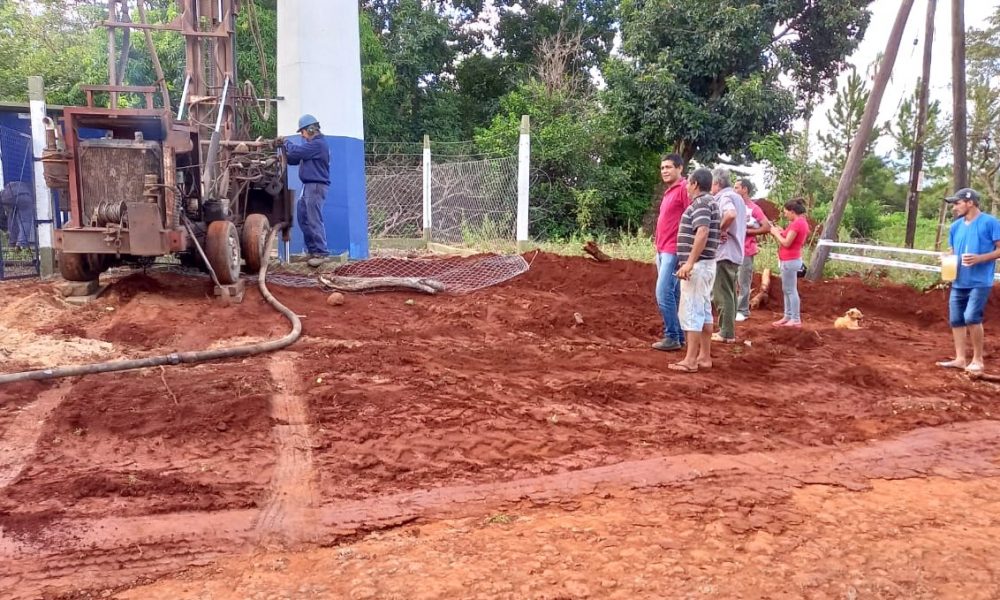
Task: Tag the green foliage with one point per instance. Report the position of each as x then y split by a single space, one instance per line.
936 139
844 120
590 176
55 40
703 78
984 110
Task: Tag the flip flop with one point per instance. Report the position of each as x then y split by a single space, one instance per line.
974 368
950 364
682 368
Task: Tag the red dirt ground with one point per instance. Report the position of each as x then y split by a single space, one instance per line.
446 410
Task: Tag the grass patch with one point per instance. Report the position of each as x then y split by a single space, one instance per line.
623 245
498 519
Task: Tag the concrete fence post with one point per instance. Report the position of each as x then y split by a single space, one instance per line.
523 177
43 197
426 163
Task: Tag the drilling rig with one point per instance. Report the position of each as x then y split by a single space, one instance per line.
141 181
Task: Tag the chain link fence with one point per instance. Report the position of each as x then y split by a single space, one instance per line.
473 196
18 236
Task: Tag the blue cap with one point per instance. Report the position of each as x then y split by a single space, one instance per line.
306 121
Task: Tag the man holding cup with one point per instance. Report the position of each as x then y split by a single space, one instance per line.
975 238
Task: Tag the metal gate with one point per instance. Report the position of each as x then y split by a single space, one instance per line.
18 231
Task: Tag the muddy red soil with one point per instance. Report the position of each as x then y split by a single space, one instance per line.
399 407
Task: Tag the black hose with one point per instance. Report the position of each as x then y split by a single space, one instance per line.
177 358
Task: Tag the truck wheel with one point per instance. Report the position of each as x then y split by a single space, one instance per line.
253 236
80 267
222 247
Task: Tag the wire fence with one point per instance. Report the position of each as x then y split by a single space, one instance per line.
18 237
473 194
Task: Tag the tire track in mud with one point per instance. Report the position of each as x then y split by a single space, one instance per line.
286 514
21 437
109 552
99 553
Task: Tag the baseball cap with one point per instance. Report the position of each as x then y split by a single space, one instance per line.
964 194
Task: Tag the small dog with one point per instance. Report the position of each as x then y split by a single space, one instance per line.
850 320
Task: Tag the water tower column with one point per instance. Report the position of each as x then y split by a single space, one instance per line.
319 73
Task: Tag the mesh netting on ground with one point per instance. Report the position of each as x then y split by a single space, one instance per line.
459 275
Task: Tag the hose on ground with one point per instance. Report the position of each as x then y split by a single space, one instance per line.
177 358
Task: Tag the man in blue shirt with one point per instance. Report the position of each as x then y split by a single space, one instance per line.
975 238
313 158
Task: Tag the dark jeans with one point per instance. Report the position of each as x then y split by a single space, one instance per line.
310 215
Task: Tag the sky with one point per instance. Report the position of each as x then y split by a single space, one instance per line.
908 66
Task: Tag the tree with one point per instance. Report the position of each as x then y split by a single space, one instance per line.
903 130
54 39
704 78
844 120
592 178
983 54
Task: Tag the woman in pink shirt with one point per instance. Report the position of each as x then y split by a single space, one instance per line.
790 242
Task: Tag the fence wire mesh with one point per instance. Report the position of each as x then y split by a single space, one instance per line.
18 241
473 194
474 204
459 275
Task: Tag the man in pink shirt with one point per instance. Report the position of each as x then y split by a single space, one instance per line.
757 224
668 288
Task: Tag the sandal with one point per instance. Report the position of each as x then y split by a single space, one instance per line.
717 337
974 368
682 368
779 323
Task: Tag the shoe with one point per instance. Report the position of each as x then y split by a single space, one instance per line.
717 337
740 317
667 345
317 261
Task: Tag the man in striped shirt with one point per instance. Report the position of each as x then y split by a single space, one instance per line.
697 243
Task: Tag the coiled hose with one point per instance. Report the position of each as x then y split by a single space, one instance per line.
177 358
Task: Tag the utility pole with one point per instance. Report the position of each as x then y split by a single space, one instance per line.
959 138
854 158
917 164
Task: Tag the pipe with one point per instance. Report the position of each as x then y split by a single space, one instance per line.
184 98
177 358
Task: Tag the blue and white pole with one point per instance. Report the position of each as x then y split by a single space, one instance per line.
319 73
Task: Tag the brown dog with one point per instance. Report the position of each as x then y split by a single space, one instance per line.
850 320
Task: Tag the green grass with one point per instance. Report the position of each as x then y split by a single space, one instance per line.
626 245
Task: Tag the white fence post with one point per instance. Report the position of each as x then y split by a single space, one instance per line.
523 169
43 198
428 222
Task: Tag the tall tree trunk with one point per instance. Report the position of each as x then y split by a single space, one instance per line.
858 147
959 137
917 164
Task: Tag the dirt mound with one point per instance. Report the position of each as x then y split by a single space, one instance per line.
792 337
36 308
396 393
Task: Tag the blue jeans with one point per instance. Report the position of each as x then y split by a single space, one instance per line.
668 294
310 216
966 306
790 288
